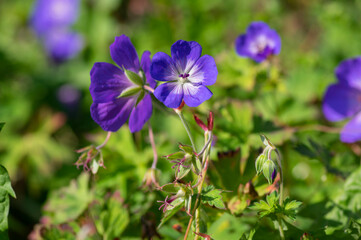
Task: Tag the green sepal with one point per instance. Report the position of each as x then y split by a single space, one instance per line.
261 159
268 168
140 97
267 142
133 77
177 205
130 91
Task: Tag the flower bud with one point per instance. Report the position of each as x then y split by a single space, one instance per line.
94 166
261 159
268 170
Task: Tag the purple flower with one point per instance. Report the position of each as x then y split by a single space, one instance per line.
108 82
259 42
62 45
186 75
50 14
343 99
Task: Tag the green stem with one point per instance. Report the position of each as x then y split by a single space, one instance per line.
179 112
282 234
279 161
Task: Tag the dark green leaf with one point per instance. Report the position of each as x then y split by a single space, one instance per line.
212 197
5 191
1 125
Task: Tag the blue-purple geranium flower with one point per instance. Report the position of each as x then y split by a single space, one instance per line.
186 75
51 21
116 98
343 99
259 42
53 14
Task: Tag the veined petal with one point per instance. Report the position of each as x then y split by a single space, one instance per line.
123 53
204 71
340 102
111 116
145 63
141 114
352 130
194 95
107 82
185 55
348 72
170 94
162 68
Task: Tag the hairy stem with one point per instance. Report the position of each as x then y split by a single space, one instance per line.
196 211
282 234
179 112
105 141
152 143
279 161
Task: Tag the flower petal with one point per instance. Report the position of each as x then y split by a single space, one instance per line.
124 54
204 71
194 95
112 115
185 54
170 94
145 64
340 102
141 114
162 68
351 132
349 72
107 82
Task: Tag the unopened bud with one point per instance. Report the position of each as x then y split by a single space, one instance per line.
210 121
94 166
268 170
261 159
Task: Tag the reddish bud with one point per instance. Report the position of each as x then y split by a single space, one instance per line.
200 123
180 106
210 121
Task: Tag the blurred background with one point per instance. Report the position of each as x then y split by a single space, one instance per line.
44 97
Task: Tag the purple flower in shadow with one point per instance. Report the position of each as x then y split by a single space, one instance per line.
109 110
343 99
186 75
53 14
62 45
259 42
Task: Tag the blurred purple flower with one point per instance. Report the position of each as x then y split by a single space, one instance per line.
62 45
343 99
107 83
259 42
186 74
53 14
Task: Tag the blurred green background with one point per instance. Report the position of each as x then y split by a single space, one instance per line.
43 130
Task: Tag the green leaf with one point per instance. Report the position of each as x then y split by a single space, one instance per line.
113 219
176 206
186 149
135 78
130 91
212 197
5 191
69 202
1 125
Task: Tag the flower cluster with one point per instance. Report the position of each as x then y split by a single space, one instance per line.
342 99
259 42
51 20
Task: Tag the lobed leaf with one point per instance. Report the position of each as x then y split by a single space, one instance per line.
212 197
